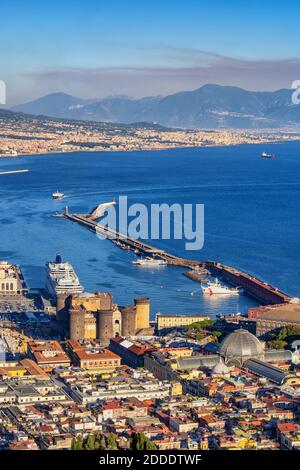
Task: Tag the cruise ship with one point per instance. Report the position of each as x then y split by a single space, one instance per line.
149 262
211 288
61 279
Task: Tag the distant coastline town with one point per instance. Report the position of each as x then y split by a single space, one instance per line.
22 134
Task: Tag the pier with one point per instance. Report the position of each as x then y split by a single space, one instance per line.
130 244
252 286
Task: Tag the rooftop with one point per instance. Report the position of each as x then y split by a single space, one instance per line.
47 352
281 312
241 344
90 350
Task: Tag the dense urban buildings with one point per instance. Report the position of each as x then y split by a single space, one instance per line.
58 135
91 367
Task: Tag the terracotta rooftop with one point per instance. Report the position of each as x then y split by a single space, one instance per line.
135 347
288 427
90 351
115 404
45 352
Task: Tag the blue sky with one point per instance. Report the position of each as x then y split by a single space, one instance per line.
97 48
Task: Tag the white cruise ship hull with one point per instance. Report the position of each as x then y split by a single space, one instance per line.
62 279
216 288
211 291
149 264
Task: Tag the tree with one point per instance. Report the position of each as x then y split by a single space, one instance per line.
282 334
111 442
216 334
141 442
207 323
90 442
77 443
73 444
134 441
150 445
199 325
277 344
293 332
200 335
102 443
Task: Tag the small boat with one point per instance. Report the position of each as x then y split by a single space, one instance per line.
268 155
211 288
58 195
149 262
13 172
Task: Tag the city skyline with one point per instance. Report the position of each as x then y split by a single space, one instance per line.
94 50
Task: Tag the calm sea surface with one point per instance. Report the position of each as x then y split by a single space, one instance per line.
252 218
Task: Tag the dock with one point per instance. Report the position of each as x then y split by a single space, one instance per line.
197 275
252 286
130 244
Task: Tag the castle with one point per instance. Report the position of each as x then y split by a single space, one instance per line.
96 316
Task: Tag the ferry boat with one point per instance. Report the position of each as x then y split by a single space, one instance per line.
13 172
61 279
267 155
58 195
149 262
211 288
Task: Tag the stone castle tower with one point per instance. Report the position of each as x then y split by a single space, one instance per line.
97 317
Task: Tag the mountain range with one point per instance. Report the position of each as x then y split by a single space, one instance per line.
209 107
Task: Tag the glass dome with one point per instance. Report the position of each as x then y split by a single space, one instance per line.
241 345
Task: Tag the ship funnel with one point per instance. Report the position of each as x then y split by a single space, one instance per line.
58 259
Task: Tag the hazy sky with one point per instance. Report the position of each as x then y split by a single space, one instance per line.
95 48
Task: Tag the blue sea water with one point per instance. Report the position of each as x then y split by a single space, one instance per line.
252 209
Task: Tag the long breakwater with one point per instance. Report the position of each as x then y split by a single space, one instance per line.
254 287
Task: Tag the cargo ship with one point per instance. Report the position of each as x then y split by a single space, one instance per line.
61 279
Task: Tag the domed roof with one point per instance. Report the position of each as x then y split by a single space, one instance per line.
220 368
296 357
241 344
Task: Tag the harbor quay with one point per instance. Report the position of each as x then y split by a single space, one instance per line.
256 288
